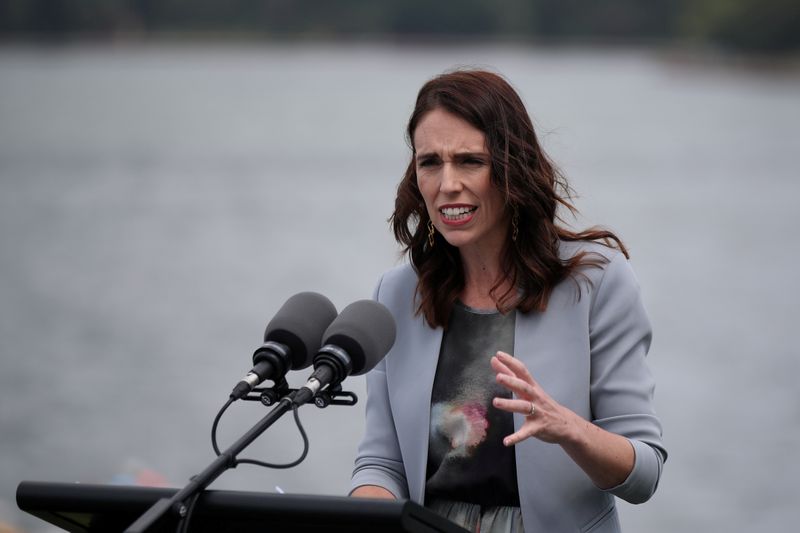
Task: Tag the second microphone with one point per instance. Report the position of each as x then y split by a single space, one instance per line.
354 343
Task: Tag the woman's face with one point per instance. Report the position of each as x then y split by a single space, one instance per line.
454 176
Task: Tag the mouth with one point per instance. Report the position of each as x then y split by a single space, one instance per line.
457 214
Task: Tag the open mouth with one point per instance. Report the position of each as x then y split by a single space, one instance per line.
455 214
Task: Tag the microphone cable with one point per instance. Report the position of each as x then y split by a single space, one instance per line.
183 523
237 462
215 424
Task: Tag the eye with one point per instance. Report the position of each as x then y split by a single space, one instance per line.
474 161
428 162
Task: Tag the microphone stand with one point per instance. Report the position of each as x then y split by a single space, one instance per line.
226 460
332 395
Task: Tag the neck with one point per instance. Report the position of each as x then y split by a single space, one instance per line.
481 272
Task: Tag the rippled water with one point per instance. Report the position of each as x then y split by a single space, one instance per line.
158 204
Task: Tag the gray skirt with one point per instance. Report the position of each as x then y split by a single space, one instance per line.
479 519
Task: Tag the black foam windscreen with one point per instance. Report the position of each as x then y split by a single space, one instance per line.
300 324
365 330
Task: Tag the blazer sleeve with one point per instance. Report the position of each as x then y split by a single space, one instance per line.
622 385
379 461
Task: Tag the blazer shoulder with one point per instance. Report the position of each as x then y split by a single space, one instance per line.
606 272
569 249
397 287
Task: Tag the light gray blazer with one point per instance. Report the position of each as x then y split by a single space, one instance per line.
587 350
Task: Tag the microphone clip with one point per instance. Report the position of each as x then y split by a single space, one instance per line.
269 396
335 396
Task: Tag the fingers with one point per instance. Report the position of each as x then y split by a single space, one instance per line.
513 364
544 418
506 365
514 438
499 367
513 375
517 386
522 407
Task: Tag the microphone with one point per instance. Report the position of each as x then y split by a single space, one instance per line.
291 339
355 341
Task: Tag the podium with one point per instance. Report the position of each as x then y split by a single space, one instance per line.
83 508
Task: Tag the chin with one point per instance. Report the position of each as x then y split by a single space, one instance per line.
457 240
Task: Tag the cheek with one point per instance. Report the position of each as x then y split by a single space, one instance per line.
427 190
497 203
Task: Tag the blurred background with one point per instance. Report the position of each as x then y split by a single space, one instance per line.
172 171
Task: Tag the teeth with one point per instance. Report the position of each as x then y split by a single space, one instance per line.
455 211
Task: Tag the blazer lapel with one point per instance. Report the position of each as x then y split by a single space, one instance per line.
411 404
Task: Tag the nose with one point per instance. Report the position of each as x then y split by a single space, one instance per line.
451 180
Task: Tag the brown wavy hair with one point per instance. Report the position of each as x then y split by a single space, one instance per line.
533 189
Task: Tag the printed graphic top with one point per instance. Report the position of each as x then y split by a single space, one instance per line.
466 458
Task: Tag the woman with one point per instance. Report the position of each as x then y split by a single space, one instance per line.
543 439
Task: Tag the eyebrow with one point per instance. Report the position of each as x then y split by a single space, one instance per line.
458 156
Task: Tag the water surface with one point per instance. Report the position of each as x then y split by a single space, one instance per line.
158 204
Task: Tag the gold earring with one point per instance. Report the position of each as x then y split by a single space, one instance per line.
431 232
514 225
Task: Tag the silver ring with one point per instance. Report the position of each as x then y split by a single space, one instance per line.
533 409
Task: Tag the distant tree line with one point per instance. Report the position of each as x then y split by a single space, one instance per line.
765 26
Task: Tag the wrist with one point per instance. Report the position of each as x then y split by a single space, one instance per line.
576 431
372 491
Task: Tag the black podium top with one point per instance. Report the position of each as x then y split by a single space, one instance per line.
83 508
